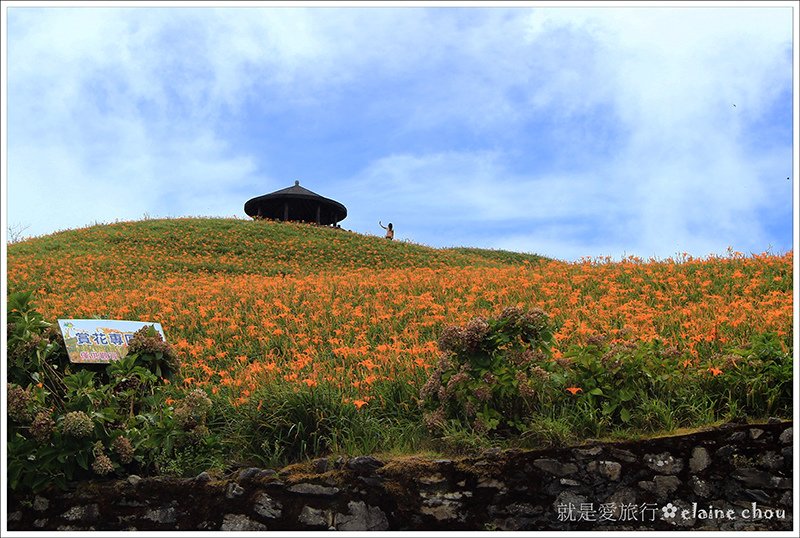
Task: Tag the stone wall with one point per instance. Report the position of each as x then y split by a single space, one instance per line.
737 477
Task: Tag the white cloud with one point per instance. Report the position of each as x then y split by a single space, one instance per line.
593 130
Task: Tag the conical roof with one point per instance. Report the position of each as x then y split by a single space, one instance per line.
296 203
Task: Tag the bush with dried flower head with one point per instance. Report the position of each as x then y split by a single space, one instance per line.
62 415
153 352
485 374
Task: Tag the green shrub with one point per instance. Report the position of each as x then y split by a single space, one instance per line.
71 421
487 374
496 382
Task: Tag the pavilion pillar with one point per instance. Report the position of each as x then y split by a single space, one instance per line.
318 212
285 210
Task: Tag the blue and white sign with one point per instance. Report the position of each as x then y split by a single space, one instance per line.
100 340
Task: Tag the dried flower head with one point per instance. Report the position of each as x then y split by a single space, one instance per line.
564 362
43 425
524 385
455 380
124 449
540 372
146 341
102 464
23 349
483 394
474 334
452 339
511 314
192 411
480 426
198 433
431 387
78 424
53 335
18 400
596 340
536 319
435 419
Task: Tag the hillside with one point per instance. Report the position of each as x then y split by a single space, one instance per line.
227 246
310 340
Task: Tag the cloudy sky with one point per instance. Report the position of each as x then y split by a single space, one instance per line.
568 131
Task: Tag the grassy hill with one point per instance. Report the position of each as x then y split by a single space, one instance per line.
310 340
234 247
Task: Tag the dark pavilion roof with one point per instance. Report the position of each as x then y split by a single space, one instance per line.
296 203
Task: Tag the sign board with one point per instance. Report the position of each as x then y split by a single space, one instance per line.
100 340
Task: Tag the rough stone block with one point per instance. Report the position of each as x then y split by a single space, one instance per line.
624 455
662 486
82 513
441 509
247 474
314 517
234 490
431 479
610 470
771 460
268 507
364 464
40 504
306 488
700 487
362 518
555 467
663 463
699 460
753 477
240 522
165 514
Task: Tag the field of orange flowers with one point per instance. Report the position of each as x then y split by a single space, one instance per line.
250 304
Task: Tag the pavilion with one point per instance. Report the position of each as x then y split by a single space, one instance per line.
297 204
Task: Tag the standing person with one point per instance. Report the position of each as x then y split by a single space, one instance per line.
389 230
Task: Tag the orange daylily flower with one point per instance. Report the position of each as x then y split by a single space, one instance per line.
574 390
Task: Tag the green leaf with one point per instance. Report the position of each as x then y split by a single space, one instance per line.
626 395
82 458
608 408
596 392
14 474
625 415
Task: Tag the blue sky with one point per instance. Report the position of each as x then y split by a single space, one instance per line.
566 131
